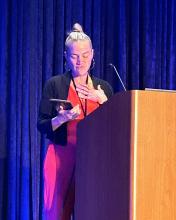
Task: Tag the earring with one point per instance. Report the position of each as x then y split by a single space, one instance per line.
92 64
66 66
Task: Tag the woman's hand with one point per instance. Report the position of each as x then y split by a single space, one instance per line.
65 116
96 95
68 115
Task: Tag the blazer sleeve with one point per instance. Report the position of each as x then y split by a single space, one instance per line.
46 110
107 89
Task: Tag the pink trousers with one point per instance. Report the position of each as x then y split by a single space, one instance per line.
59 178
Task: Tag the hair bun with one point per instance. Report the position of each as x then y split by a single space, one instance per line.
77 28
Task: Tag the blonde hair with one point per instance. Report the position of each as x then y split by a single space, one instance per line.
75 35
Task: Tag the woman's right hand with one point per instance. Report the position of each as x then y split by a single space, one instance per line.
68 115
65 116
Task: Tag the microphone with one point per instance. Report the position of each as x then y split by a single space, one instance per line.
110 64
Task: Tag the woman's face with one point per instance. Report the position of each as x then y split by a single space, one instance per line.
79 57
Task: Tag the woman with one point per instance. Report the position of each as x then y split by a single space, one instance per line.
86 93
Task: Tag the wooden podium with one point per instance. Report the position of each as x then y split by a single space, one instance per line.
126 159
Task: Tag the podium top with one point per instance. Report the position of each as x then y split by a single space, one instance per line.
160 90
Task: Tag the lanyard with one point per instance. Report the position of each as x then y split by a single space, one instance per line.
84 108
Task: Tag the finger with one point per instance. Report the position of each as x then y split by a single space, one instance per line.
82 87
75 108
60 109
83 96
99 88
82 91
92 97
74 115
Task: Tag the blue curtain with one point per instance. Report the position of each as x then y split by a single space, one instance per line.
137 36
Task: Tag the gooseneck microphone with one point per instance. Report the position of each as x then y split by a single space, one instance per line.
110 64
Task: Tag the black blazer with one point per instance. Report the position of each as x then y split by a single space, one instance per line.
58 87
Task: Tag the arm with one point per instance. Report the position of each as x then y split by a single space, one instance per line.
49 118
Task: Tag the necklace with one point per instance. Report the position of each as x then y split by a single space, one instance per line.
84 108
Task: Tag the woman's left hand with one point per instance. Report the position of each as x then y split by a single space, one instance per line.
96 95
